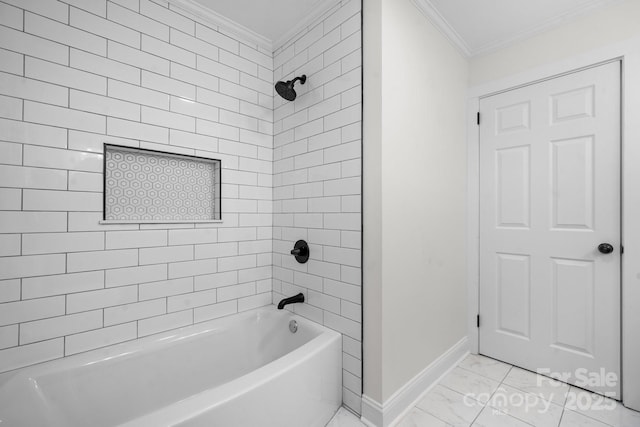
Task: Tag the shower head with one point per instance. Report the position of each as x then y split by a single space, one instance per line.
285 89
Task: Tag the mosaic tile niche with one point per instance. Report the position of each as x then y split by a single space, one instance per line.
153 186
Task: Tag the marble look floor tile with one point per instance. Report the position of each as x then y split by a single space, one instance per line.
601 408
490 417
573 419
450 406
466 382
547 388
485 366
344 418
526 407
418 418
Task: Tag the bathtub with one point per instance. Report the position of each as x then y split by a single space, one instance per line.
243 370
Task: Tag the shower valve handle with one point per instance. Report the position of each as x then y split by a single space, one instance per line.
301 251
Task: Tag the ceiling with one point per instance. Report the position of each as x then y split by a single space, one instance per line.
272 19
474 26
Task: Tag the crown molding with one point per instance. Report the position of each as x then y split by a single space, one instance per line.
319 9
431 12
192 6
223 22
434 15
547 25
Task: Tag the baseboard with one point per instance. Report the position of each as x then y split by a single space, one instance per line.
387 414
371 412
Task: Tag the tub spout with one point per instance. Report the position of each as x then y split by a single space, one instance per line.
290 300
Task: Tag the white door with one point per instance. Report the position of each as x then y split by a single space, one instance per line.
549 196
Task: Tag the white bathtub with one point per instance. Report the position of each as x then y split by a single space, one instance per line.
243 370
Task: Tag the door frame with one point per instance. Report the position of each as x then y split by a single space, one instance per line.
628 53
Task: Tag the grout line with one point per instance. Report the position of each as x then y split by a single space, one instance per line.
260 123
152 36
108 77
141 70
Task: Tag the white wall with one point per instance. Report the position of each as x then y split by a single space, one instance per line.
372 199
74 75
422 197
317 180
595 30
423 186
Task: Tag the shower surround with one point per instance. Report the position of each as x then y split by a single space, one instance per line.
75 75
317 180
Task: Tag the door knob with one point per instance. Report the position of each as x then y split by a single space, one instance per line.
605 248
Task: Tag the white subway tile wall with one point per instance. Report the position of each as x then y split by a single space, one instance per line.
77 74
142 73
317 180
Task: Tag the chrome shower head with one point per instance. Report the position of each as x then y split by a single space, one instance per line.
285 89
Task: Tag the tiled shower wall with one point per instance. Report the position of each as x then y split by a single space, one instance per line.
317 180
76 74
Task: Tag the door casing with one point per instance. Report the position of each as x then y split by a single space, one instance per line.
515 246
628 53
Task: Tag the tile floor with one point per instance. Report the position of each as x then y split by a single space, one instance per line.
482 392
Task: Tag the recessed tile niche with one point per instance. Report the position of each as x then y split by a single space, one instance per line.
154 186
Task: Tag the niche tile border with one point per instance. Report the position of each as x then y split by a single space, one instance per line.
150 186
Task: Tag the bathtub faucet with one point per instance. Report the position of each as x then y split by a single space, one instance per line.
290 300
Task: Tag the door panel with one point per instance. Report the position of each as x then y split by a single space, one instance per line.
572 198
573 293
549 194
513 203
514 288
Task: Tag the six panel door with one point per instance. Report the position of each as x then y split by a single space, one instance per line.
549 196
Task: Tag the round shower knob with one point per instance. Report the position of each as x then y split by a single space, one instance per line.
301 251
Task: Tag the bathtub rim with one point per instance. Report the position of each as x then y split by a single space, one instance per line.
149 343
198 404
